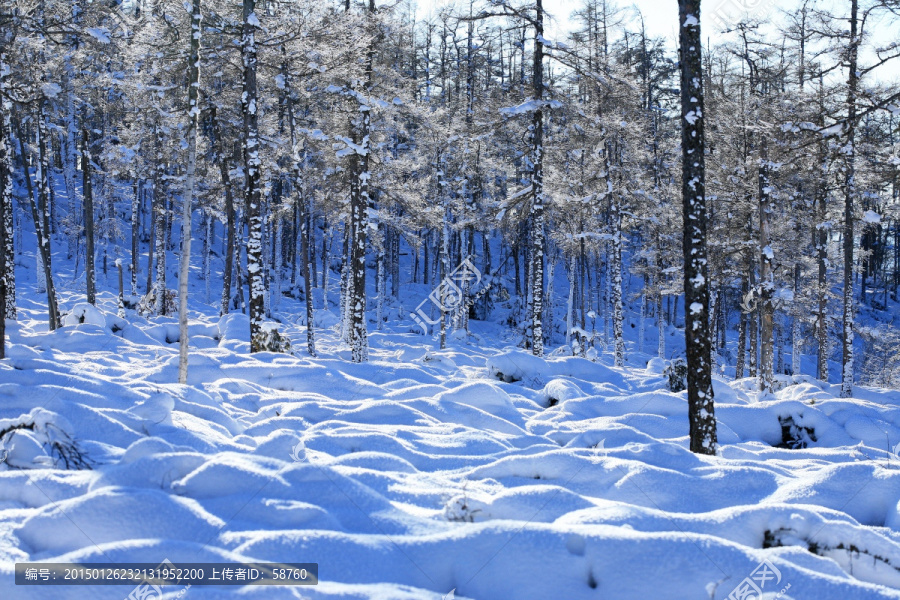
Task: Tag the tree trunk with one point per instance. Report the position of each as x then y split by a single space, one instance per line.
305 234
537 186
188 199
255 274
7 234
229 214
849 185
43 241
159 215
701 411
88 217
766 275
742 336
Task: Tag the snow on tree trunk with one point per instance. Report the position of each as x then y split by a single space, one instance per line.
570 303
88 217
278 226
821 241
207 253
537 186
445 265
380 284
701 411
796 334
7 234
159 214
616 283
766 275
305 240
742 337
359 203
660 327
849 185
43 166
70 159
43 243
135 232
7 255
188 195
252 163
642 323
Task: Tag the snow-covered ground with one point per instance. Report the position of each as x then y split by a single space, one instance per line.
478 468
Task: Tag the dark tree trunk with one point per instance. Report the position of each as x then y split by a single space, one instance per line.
88 217
701 411
255 267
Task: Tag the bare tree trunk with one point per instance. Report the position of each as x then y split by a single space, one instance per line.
249 107
229 214
135 232
188 199
305 219
7 234
616 283
43 240
159 214
70 159
537 186
849 185
359 205
766 275
742 337
701 411
88 217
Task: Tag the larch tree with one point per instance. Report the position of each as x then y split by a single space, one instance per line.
701 411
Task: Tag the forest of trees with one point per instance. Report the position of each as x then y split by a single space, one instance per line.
313 140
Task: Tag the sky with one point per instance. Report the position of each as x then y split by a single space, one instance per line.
661 19
660 16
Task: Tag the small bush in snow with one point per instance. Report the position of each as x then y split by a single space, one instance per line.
270 340
795 436
676 375
147 305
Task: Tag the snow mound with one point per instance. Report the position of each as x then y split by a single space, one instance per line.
113 515
84 313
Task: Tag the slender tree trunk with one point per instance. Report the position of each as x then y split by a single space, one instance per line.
766 275
616 283
701 411
43 172
70 159
305 234
537 183
7 233
359 206
88 217
43 241
159 213
849 185
229 214
135 232
255 265
188 199
570 304
742 337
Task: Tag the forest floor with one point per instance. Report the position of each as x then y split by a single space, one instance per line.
479 468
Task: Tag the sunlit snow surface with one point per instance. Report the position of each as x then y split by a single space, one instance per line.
424 470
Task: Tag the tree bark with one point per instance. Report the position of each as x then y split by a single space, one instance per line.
188 199
255 265
537 183
701 411
849 185
88 217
